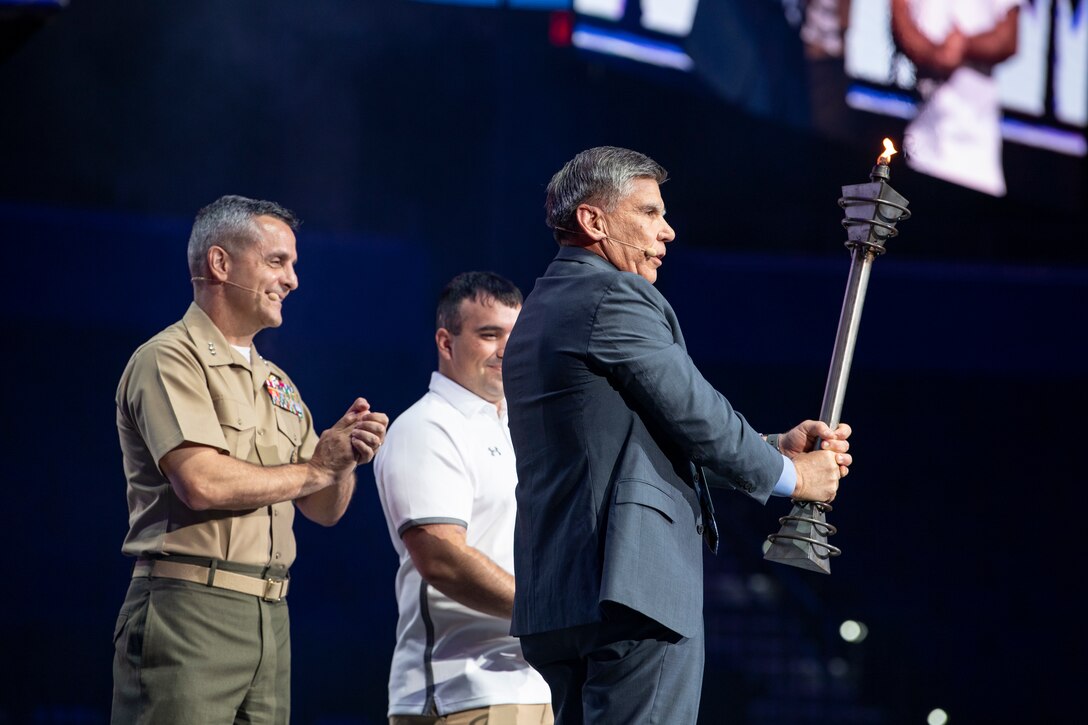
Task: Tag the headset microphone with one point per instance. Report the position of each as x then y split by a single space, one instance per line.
225 281
649 252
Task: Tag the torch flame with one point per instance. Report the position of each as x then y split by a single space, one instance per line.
889 149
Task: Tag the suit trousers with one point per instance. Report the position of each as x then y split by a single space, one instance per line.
187 654
626 669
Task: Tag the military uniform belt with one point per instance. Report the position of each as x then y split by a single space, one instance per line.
270 589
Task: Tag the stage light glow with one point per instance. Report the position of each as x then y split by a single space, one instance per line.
762 586
937 716
838 668
853 631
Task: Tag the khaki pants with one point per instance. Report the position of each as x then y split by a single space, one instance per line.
494 715
187 654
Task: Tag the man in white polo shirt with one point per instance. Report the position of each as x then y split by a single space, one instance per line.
446 476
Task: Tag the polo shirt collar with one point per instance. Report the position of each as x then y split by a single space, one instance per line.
464 400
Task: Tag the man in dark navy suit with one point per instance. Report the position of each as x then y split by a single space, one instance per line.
618 436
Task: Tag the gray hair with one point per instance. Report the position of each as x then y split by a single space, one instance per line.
601 176
228 223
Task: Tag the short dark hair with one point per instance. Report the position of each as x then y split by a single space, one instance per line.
601 175
228 223
478 286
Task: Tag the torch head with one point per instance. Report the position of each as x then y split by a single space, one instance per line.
872 210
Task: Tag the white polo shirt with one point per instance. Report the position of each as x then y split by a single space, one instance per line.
448 459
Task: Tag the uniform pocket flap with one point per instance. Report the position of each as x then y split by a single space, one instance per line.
234 413
289 424
647 494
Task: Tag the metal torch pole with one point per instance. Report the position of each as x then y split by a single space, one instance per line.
872 211
802 542
847 335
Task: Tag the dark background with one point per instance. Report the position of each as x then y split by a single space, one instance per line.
415 140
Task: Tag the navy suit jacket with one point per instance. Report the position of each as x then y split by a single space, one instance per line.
607 414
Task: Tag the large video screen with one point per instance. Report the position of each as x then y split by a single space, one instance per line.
1044 80
843 59
1032 89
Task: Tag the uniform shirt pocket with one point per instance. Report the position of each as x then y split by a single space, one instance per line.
238 421
279 444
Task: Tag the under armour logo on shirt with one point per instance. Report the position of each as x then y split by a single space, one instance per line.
494 451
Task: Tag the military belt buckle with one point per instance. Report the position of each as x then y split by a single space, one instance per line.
274 589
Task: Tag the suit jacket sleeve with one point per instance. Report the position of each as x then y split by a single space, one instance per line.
637 343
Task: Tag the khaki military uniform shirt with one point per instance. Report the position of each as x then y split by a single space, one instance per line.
188 385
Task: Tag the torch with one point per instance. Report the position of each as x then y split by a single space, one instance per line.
871 211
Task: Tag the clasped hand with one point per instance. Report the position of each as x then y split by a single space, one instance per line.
820 456
353 440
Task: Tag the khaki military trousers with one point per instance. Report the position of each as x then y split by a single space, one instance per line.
187 654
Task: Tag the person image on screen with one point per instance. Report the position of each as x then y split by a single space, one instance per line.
955 44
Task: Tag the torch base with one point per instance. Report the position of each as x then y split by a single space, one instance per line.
802 540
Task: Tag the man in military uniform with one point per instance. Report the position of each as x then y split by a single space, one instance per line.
218 451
